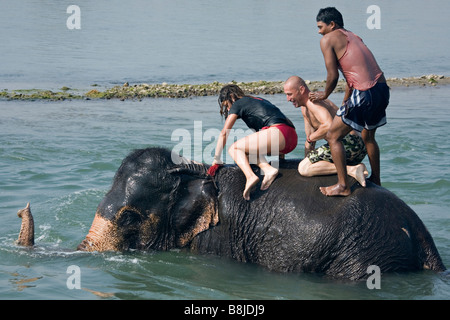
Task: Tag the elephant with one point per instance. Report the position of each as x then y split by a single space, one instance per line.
160 201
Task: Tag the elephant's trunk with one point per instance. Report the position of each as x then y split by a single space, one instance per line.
100 237
26 234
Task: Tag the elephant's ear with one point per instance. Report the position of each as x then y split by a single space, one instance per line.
196 209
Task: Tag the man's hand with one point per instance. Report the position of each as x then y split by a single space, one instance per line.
316 96
309 147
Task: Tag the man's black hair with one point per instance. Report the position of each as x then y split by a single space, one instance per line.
330 14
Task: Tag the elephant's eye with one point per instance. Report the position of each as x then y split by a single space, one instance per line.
129 217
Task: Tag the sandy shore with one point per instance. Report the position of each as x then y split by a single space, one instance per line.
164 90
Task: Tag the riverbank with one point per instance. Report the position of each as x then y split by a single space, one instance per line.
165 90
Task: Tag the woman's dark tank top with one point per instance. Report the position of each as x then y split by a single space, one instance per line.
258 113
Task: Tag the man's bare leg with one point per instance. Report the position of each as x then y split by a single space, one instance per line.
334 137
323 168
373 153
359 172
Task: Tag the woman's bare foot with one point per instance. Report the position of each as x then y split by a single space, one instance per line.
269 176
249 186
359 172
336 190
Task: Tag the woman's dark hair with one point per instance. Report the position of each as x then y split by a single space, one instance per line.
231 93
330 14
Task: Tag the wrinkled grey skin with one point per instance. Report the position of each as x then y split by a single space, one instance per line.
155 204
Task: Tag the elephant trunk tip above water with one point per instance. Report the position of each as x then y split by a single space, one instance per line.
26 234
159 201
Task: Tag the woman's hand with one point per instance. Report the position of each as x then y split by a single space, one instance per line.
214 167
216 162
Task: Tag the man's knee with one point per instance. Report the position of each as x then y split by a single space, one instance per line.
368 136
332 137
303 167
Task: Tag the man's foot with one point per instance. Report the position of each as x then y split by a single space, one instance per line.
269 176
361 174
336 190
249 186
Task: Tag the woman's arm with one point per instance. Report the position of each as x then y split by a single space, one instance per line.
222 140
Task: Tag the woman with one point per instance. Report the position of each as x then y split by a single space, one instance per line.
275 134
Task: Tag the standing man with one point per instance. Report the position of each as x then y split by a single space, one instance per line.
318 117
366 95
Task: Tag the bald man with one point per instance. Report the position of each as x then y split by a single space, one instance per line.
318 117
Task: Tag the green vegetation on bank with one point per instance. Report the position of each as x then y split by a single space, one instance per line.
164 90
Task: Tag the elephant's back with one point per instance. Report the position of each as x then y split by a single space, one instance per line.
304 193
289 189
292 226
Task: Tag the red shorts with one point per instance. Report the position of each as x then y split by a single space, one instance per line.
289 134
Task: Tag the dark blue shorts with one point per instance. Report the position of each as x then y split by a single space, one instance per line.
366 109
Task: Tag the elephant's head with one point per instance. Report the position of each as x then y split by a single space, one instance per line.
158 200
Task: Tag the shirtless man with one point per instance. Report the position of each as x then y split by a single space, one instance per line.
366 95
318 117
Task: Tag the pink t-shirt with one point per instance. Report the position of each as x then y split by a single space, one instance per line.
358 64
